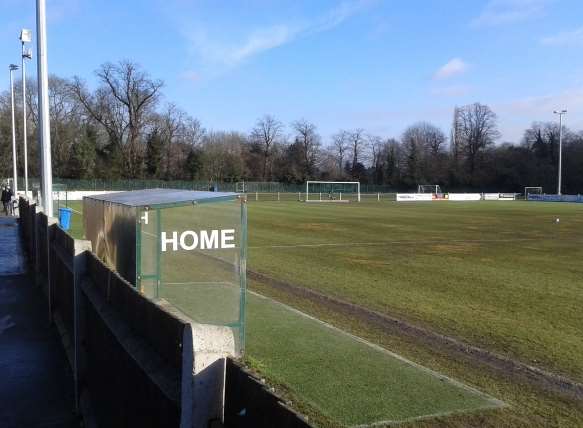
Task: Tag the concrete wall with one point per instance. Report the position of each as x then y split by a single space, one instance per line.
250 404
133 359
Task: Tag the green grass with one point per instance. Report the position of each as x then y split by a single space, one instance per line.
500 275
343 378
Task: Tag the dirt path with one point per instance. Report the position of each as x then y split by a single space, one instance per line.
454 347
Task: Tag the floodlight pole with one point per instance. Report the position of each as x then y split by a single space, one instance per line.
560 113
24 38
43 109
12 68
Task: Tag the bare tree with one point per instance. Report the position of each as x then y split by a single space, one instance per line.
121 105
265 134
423 145
479 130
192 132
309 141
222 156
376 144
340 147
357 144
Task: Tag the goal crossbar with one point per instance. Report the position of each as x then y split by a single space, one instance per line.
356 183
538 190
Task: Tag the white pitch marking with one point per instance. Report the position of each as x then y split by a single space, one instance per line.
409 241
493 402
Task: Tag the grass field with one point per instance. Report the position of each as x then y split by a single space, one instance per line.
500 275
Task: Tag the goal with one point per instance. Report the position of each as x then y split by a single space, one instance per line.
532 191
429 188
332 191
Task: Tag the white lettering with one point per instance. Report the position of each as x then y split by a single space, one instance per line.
183 243
227 235
207 241
165 241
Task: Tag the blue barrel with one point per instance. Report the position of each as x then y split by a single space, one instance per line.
65 218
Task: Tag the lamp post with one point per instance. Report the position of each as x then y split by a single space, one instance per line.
25 37
560 113
43 108
12 68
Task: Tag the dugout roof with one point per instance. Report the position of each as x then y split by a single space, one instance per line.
160 197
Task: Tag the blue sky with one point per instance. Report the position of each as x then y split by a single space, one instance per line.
374 64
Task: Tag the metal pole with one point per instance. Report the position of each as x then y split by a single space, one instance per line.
14 153
560 152
24 121
43 107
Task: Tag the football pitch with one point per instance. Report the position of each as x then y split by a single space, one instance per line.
503 276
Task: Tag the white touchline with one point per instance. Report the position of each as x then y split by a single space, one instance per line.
494 401
408 241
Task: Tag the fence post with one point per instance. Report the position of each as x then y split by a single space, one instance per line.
36 224
51 224
278 196
378 196
79 271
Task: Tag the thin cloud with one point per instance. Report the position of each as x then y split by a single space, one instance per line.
516 115
264 39
453 91
501 12
453 67
190 75
565 38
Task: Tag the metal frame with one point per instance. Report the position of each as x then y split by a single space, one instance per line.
158 273
533 187
330 182
435 187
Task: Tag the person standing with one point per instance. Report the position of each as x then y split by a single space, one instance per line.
6 198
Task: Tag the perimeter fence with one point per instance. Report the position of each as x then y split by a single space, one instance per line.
243 186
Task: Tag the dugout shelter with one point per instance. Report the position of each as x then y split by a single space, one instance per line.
179 247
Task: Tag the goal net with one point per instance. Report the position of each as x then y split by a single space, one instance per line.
532 191
429 188
332 191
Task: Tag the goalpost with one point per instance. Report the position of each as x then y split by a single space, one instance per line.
537 190
429 188
332 191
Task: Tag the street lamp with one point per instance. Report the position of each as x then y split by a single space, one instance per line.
560 113
43 108
25 37
12 68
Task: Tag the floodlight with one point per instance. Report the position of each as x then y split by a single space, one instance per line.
25 35
27 53
559 179
13 67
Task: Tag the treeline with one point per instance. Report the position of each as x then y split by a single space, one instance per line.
122 129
